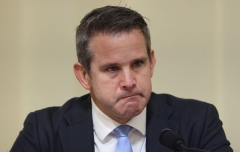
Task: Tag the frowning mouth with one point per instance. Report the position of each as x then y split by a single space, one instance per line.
131 96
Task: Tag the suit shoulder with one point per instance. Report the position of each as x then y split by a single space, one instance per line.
53 117
162 102
68 105
177 102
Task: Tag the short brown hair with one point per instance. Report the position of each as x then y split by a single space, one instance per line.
108 20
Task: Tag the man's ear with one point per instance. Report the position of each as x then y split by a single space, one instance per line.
82 75
153 62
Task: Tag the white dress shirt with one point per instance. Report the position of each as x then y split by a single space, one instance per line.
105 139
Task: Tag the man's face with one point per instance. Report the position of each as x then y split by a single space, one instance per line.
120 81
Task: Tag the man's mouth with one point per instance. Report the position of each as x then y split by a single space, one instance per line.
130 96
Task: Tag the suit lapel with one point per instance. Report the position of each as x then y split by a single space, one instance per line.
158 118
78 135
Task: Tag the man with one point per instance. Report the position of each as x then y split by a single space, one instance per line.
116 63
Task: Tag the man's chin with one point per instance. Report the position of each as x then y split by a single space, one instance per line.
132 112
127 115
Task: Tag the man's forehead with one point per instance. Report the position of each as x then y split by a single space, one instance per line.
115 41
115 33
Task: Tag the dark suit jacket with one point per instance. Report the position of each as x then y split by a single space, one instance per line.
70 128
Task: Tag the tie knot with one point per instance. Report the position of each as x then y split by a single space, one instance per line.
122 131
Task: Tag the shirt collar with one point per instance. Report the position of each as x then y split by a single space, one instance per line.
104 125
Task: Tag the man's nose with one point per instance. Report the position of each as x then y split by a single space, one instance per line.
128 80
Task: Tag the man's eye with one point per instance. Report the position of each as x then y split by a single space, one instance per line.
137 64
112 69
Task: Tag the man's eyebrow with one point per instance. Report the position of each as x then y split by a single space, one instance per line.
144 58
107 65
